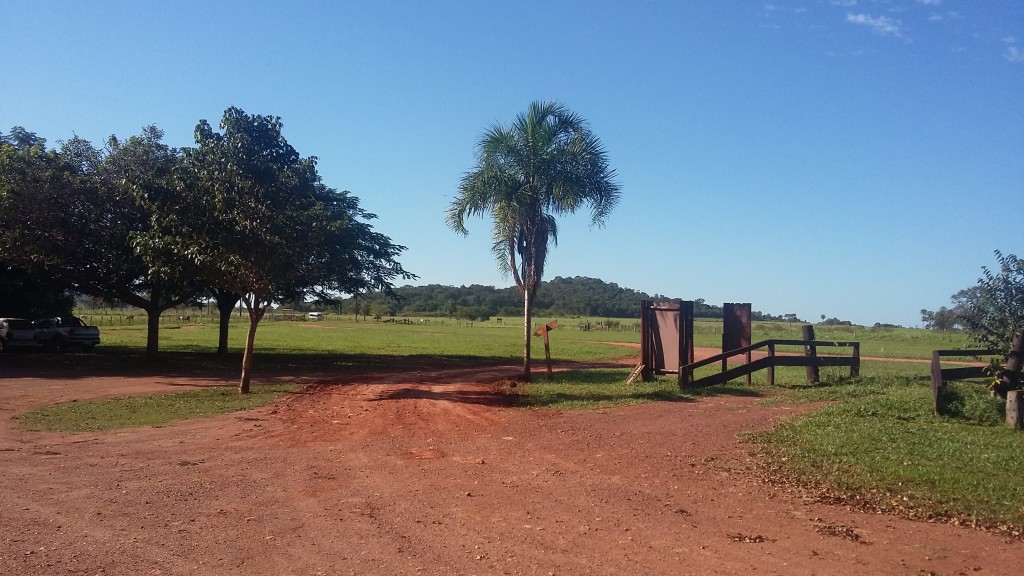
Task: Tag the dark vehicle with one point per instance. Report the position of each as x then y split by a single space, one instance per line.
60 333
19 333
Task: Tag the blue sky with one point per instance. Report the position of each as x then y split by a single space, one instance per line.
858 159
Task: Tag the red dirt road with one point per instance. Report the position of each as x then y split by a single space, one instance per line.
432 473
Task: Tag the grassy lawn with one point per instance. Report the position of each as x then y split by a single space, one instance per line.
151 410
496 336
884 448
876 442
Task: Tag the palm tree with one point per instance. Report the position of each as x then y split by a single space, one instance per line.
545 164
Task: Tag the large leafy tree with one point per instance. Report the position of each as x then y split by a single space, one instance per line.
545 164
255 219
77 214
42 194
993 309
136 178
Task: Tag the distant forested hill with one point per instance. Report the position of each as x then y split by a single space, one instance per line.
565 297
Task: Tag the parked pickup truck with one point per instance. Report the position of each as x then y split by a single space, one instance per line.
19 333
65 331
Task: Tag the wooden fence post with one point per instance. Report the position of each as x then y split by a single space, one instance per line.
685 342
1015 409
937 382
1011 376
855 365
813 373
646 373
771 364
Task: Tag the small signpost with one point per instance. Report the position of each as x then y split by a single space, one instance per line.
543 331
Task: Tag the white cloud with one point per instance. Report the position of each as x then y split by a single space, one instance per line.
844 3
882 25
1013 54
930 2
1010 39
940 16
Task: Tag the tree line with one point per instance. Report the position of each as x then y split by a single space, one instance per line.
577 296
241 217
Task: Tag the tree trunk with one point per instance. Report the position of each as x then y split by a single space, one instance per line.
153 310
153 306
255 315
152 330
527 332
226 301
222 333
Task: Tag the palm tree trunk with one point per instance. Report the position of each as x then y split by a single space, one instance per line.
527 332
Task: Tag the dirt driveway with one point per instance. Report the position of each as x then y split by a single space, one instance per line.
433 473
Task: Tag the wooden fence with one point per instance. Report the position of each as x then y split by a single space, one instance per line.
770 361
940 374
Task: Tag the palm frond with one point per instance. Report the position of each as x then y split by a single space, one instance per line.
544 164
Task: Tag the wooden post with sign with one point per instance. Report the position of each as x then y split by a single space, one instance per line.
543 331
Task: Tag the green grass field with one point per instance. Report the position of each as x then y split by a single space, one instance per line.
345 334
876 442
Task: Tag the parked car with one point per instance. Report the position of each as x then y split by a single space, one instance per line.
64 331
19 333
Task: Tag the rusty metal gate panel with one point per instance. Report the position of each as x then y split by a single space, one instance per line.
666 337
735 326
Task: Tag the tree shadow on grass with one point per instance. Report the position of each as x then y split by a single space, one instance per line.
971 402
595 399
726 390
582 387
132 362
480 397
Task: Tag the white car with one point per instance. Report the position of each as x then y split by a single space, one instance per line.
64 331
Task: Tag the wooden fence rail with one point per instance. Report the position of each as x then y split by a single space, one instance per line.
940 374
769 362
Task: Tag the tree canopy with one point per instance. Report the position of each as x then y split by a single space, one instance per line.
240 215
255 218
994 308
74 214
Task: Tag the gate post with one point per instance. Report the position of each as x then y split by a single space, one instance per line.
645 341
685 342
811 352
937 382
1011 376
1015 409
855 363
